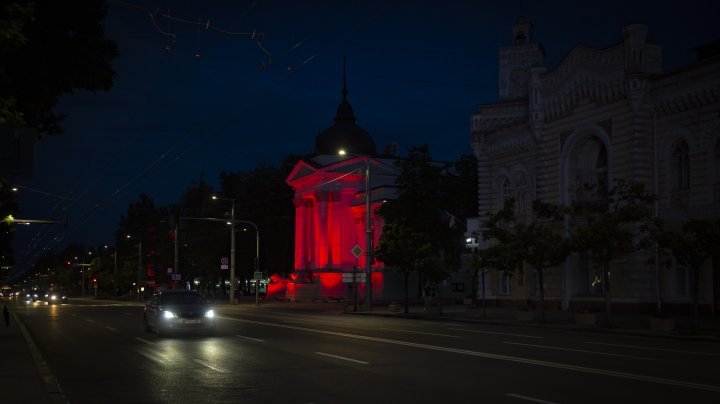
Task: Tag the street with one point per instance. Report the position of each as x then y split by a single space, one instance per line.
294 353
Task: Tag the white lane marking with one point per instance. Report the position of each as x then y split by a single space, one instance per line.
251 339
534 400
110 328
495 333
89 320
74 315
420 332
292 321
581 350
653 349
211 366
507 358
144 340
343 358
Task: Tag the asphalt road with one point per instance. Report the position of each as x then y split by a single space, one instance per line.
288 353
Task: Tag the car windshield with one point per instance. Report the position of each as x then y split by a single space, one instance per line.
185 298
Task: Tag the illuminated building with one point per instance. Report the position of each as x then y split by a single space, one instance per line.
330 211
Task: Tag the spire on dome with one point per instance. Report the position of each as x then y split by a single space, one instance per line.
344 133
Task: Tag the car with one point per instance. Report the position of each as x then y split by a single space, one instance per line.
39 296
57 295
178 310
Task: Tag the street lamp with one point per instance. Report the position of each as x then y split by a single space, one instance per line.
232 247
139 262
368 234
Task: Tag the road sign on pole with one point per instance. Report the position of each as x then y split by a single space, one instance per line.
357 251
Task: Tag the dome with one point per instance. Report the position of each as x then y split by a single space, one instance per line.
344 134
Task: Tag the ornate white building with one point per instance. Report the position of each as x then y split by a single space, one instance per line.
602 114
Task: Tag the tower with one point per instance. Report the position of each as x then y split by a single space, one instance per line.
516 61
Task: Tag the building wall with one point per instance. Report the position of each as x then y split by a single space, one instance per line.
603 113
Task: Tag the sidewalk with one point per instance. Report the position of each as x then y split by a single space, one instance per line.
622 323
23 375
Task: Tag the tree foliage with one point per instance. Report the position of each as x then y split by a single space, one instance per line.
419 234
614 223
692 246
49 48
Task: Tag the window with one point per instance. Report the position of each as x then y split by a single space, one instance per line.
601 167
681 166
505 278
521 195
717 161
505 192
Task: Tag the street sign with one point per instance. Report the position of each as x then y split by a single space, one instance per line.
176 277
357 251
359 277
224 263
257 276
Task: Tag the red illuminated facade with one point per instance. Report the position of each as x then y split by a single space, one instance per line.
330 210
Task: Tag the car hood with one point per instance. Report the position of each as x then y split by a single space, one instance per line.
186 308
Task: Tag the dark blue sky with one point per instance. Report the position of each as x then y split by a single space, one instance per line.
416 70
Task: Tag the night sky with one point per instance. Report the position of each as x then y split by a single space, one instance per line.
416 71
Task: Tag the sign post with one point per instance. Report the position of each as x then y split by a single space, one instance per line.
357 252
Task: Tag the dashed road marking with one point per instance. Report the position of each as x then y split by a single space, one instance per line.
342 358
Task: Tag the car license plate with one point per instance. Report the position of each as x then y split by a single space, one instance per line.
192 321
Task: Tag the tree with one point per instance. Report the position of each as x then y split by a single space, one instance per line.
416 220
145 224
610 223
263 197
542 243
49 48
691 247
502 255
405 251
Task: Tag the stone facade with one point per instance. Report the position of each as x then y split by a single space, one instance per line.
602 114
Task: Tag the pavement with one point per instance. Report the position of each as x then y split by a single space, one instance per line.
26 378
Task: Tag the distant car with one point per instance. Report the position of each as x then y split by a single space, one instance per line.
39 296
57 296
178 310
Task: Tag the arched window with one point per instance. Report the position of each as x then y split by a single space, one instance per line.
521 202
601 167
717 161
681 166
505 192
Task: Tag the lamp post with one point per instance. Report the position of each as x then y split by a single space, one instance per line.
232 247
139 263
368 234
368 239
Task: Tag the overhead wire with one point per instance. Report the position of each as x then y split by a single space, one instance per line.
259 37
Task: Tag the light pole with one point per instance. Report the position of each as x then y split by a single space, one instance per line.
139 263
232 247
368 234
368 239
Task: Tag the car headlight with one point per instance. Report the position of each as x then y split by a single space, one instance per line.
210 313
168 314
53 297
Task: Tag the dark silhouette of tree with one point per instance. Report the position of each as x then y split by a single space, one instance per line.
418 222
49 48
612 223
691 247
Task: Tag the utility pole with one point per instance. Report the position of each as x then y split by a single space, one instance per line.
368 239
